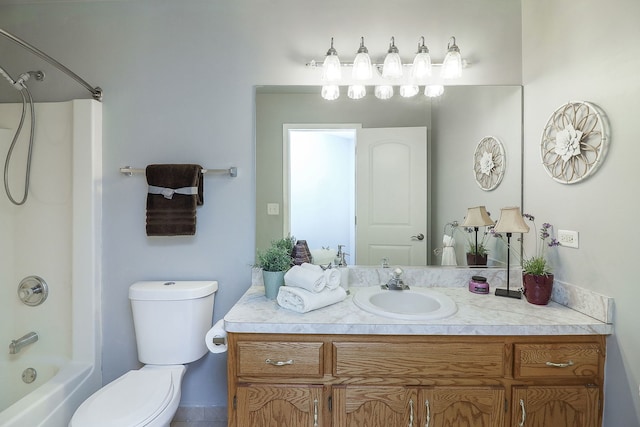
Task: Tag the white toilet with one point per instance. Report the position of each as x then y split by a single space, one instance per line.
170 320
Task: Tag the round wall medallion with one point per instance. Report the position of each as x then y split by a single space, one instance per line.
574 142
489 163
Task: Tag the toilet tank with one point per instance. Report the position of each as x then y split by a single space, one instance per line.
171 320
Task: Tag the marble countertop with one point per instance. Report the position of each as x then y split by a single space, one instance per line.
476 315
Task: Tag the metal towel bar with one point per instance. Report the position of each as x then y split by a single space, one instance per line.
232 171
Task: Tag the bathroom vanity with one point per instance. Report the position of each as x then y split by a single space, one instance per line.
496 362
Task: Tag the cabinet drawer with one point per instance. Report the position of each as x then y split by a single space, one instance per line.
455 359
270 358
569 360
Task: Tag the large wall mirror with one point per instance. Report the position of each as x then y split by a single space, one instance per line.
450 127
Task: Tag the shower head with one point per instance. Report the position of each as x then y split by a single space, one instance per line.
20 83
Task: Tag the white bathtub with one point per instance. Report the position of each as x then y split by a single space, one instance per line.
49 400
55 235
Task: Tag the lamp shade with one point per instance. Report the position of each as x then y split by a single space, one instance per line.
477 217
511 221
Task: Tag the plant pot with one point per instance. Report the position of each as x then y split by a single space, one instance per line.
272 282
473 259
537 288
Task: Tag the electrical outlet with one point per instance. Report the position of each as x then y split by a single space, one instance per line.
273 209
568 238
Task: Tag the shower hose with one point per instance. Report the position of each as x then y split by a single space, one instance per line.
26 99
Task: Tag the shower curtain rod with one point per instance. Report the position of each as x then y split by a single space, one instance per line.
96 92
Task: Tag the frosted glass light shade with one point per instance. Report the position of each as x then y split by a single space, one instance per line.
407 91
421 66
433 91
362 68
452 65
392 66
421 63
331 69
330 92
384 91
357 91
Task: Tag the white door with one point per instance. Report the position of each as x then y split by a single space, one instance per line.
391 196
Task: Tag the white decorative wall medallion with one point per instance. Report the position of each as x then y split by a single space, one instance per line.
489 163
574 142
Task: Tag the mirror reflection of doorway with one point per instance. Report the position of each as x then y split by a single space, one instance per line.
320 184
373 200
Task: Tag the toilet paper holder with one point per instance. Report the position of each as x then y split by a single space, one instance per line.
219 340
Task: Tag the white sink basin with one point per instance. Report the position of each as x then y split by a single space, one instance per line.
411 304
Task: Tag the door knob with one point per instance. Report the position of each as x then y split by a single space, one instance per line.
418 237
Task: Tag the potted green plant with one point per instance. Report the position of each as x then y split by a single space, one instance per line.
476 255
275 261
537 278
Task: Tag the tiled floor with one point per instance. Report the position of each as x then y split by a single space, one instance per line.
200 416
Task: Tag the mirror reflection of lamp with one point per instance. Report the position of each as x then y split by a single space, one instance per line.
510 221
477 217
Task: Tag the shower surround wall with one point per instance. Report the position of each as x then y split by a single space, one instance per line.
54 235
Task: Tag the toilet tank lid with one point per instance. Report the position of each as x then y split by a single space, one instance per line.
171 290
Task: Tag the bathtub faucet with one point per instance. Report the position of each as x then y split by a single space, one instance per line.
17 345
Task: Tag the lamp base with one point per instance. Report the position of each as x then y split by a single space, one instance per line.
508 293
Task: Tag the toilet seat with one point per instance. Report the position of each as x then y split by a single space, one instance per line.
133 400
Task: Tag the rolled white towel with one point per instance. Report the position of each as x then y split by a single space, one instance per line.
332 278
302 301
305 278
331 275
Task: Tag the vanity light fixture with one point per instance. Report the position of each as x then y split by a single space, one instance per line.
331 68
362 68
392 67
452 65
477 217
391 70
510 222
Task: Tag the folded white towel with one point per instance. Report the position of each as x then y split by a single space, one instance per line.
304 277
332 278
302 301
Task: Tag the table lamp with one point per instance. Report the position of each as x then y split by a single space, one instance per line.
510 221
477 217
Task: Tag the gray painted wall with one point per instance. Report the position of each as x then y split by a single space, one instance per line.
169 96
588 52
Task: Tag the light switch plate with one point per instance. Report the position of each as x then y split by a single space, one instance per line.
568 238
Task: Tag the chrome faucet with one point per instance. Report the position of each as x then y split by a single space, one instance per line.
396 283
18 344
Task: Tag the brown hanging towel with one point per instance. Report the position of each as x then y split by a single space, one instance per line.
173 194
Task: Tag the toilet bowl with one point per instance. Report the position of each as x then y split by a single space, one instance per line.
171 320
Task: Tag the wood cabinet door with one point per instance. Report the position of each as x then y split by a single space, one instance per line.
462 406
279 405
561 406
374 406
